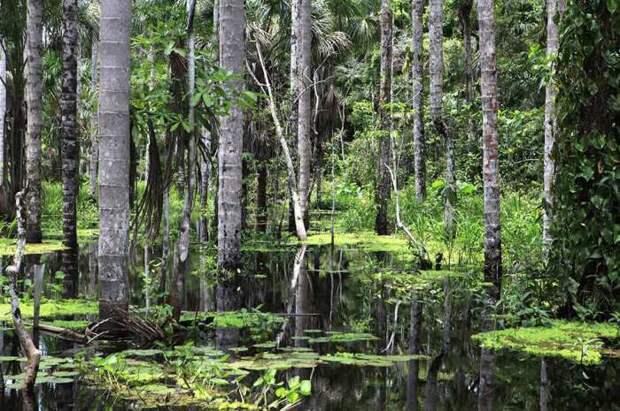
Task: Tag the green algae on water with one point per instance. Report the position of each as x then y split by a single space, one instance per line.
579 342
52 308
8 246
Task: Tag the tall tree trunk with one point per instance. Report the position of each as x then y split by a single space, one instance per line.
205 175
435 28
490 164
232 58
303 27
34 97
464 12
417 13
551 92
382 192
94 139
114 158
70 152
3 95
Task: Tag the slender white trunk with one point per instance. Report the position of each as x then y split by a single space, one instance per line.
34 97
551 92
292 178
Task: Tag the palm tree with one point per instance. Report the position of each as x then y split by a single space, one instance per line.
34 97
382 193
70 152
94 140
302 25
114 149
232 58
417 12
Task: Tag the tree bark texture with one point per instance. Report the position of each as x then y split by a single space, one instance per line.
3 95
490 148
382 191
70 151
114 155
303 76
419 143
34 97
551 92
435 29
232 58
94 139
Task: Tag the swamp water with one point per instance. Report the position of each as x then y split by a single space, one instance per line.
341 320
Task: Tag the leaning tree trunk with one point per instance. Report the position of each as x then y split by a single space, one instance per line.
435 28
232 58
490 164
303 28
70 160
417 12
34 97
382 192
551 92
114 165
94 139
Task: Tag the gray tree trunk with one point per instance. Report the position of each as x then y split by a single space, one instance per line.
551 92
382 191
114 157
3 95
435 28
419 161
465 18
490 147
70 150
34 96
205 175
94 139
303 28
232 58
181 262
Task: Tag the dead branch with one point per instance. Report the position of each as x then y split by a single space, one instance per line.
33 355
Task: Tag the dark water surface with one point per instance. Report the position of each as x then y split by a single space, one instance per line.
337 292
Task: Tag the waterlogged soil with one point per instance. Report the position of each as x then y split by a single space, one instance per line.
343 324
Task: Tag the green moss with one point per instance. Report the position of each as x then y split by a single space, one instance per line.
8 245
50 309
578 342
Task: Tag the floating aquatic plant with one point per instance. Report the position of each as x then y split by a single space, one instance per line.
578 342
